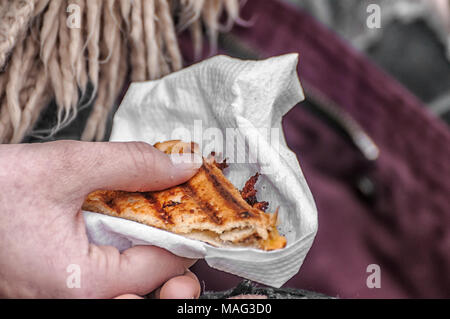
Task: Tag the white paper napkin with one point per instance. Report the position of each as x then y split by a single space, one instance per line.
197 104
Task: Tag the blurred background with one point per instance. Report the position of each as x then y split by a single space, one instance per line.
372 138
412 43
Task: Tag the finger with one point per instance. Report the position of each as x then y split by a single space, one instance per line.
133 166
181 287
138 270
129 296
171 288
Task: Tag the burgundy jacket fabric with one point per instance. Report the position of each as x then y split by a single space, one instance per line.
406 228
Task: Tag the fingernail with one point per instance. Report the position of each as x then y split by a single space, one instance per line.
186 161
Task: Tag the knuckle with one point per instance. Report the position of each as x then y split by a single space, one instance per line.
103 264
104 257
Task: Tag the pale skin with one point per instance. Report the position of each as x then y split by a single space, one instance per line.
42 229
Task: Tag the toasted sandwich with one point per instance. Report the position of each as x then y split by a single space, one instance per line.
207 207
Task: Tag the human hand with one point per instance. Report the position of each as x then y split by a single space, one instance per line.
42 229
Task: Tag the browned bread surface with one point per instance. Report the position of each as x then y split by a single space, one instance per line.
207 207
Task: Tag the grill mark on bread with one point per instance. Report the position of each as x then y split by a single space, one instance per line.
170 203
110 202
205 206
157 206
223 191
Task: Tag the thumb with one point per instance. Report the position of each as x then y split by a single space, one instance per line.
132 166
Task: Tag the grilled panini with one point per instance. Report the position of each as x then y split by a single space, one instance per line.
207 207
